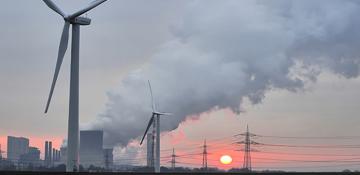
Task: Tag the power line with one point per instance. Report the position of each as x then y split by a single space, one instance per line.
312 161
303 137
316 166
191 151
311 146
310 154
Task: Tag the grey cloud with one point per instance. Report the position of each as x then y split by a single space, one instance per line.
225 51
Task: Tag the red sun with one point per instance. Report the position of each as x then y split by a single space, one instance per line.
225 159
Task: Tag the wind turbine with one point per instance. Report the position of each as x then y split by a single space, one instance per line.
75 20
155 120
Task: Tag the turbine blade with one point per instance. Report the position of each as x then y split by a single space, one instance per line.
61 53
152 98
89 7
147 128
54 7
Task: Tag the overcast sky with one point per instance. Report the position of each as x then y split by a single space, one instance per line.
284 67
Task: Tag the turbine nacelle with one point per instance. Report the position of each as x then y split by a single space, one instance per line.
80 21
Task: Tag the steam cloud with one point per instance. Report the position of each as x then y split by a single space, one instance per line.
225 51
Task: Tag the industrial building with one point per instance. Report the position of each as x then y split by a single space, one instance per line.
52 155
32 157
108 158
16 146
91 148
63 156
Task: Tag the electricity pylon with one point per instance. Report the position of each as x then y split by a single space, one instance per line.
204 162
173 161
247 148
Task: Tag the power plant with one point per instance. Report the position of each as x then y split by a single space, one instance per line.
91 148
52 156
92 152
17 146
208 62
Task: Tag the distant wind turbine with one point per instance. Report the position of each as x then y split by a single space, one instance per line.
155 117
75 20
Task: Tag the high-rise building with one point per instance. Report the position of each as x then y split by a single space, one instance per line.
108 158
46 157
53 155
50 153
32 157
16 146
91 148
57 155
63 156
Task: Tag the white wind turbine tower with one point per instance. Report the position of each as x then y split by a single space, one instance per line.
75 20
155 118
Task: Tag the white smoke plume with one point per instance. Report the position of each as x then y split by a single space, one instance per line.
225 51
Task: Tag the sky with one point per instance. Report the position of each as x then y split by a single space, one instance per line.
286 68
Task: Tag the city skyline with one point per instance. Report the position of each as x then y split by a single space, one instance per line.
92 152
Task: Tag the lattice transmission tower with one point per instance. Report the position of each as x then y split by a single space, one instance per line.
173 160
247 148
204 161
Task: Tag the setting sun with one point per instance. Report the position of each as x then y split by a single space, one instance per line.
225 159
